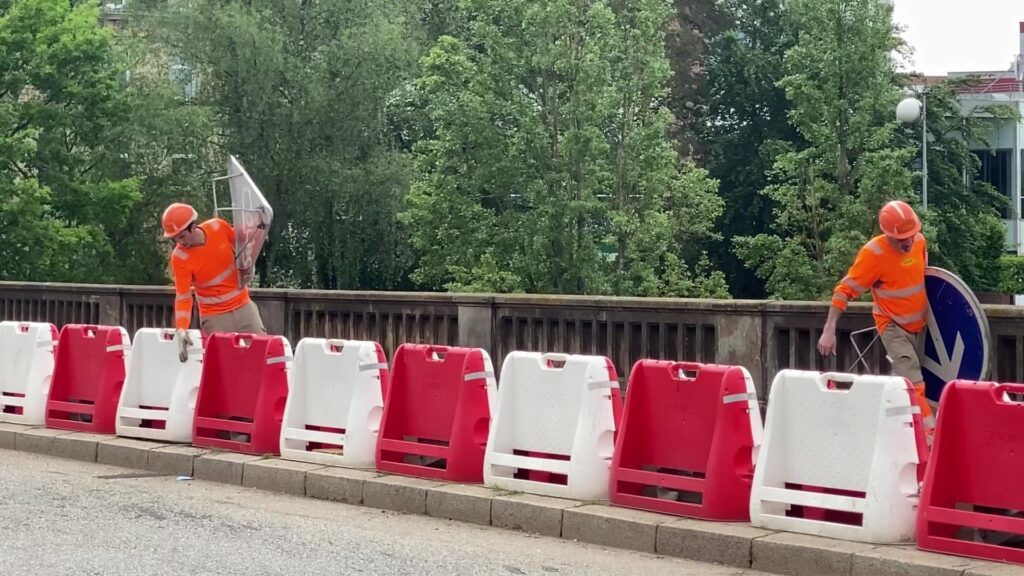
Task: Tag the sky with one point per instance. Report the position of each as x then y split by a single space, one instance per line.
960 35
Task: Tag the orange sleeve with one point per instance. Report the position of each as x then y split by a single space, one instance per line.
859 279
182 289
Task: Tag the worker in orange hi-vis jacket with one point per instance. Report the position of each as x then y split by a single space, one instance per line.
892 267
204 259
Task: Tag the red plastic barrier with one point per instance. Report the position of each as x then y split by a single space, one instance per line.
88 374
436 414
687 428
242 393
973 479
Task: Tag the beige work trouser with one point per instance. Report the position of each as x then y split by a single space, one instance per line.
245 319
902 348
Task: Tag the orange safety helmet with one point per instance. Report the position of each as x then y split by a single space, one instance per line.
177 217
898 219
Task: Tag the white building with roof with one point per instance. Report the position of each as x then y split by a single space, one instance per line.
1003 164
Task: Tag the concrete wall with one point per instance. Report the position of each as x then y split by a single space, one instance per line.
763 336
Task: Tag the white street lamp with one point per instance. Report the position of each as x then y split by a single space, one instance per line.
908 111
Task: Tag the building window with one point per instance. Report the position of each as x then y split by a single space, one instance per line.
996 169
184 78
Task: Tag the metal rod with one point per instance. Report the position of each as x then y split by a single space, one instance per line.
233 209
214 184
924 150
860 355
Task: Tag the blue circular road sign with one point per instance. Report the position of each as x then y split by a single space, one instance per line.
956 340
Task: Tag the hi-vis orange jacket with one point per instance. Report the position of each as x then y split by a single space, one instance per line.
896 281
212 269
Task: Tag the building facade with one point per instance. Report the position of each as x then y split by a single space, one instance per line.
1002 159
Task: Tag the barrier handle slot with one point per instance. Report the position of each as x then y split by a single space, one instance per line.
436 353
554 360
242 340
1002 389
167 335
335 345
836 382
685 370
89 331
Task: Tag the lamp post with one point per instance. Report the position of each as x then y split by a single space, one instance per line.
908 111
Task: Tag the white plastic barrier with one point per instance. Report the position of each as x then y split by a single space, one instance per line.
26 369
158 400
335 403
553 405
847 447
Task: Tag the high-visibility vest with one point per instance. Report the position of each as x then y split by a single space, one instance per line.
896 282
211 270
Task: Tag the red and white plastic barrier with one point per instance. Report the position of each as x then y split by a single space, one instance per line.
335 403
26 370
90 370
158 401
554 429
972 503
689 439
840 457
242 393
437 414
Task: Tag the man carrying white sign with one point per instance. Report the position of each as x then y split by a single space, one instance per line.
204 259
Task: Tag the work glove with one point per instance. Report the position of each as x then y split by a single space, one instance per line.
181 337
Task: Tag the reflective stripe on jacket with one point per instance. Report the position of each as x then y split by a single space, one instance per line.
211 270
896 282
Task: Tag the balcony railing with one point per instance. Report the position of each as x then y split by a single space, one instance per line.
993 86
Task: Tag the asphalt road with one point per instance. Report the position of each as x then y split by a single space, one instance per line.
62 517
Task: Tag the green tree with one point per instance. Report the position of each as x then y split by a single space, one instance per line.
299 92
694 25
963 219
842 87
61 119
545 165
166 144
746 126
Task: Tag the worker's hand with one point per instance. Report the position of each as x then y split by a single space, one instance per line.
827 343
181 337
244 277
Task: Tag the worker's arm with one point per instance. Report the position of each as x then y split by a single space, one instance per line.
182 289
827 342
859 279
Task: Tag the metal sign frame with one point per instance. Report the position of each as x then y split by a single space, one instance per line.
244 242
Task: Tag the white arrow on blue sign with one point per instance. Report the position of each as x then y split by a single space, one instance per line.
956 340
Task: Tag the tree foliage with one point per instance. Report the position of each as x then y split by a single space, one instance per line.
746 125
841 85
59 102
546 165
644 147
299 92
